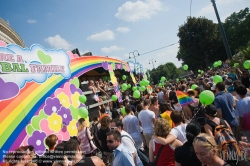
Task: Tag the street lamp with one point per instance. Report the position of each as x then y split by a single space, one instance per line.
152 61
134 54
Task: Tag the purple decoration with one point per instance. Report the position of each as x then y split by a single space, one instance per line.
73 89
66 115
52 105
37 140
116 89
8 89
105 65
82 105
120 99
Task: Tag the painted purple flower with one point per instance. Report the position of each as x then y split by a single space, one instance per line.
8 89
37 140
52 105
105 65
66 115
73 89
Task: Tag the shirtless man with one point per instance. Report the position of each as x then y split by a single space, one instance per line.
154 106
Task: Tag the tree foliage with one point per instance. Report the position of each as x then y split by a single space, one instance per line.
198 38
168 70
237 28
201 42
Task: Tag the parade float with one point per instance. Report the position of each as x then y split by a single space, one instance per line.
40 91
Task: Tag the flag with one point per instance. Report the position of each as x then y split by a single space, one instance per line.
184 99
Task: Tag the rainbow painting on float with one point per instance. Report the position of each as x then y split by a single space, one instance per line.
40 93
184 99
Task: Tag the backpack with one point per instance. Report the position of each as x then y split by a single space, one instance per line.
141 154
226 142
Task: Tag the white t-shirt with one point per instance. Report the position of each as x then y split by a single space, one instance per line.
145 117
180 132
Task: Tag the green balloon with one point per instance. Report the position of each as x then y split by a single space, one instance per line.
123 111
82 98
177 79
83 112
247 64
141 83
219 63
136 94
104 78
129 86
114 97
199 75
144 82
124 77
143 88
134 88
147 82
124 86
194 86
185 67
217 79
206 97
215 64
236 64
163 79
199 70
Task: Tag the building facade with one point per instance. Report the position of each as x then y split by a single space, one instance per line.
8 35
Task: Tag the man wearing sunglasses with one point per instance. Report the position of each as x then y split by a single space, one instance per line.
122 156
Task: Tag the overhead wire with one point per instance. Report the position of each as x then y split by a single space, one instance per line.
151 51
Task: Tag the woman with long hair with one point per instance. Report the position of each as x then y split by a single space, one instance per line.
85 138
185 155
164 153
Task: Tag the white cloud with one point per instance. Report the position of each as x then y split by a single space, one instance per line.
58 42
209 9
123 29
111 49
139 10
30 21
105 35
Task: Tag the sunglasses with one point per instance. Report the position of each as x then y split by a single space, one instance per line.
113 128
110 141
203 139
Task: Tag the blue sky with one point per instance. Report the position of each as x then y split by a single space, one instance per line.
111 28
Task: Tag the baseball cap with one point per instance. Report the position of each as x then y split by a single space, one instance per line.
211 110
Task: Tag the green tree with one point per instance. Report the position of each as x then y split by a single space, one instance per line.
168 70
237 28
199 43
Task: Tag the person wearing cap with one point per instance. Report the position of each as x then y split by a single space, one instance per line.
213 121
229 84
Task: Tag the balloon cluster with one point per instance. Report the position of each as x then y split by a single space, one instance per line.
217 64
82 111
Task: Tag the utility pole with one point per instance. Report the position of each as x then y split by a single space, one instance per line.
222 31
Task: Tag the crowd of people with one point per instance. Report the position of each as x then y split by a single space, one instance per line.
157 130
